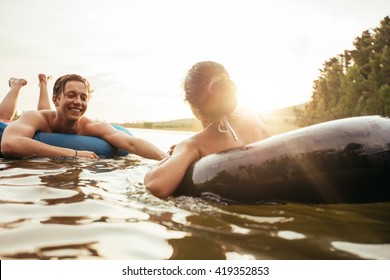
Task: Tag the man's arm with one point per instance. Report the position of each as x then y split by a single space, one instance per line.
17 140
123 141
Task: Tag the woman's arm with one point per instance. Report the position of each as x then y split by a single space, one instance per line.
163 180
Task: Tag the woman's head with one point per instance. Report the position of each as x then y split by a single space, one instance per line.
209 90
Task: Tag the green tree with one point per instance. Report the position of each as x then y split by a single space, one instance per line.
354 83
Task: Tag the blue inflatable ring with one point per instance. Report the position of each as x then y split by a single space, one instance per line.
78 142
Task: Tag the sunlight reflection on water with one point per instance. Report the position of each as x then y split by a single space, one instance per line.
82 209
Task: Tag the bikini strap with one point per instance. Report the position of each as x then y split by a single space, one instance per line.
225 127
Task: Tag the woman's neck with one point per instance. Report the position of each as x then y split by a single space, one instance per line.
223 125
208 122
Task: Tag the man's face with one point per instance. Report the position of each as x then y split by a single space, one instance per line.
73 102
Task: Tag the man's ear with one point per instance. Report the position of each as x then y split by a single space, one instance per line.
55 100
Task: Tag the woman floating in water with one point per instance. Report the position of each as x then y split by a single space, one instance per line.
211 95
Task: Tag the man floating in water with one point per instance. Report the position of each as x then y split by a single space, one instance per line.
71 96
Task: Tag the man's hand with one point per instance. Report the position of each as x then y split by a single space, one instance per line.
86 154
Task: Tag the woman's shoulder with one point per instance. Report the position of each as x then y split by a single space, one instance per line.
187 149
195 143
192 142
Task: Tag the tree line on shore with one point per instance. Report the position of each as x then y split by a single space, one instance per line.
354 83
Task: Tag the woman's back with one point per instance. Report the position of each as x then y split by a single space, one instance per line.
246 129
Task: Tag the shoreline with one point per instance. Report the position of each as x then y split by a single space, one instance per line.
277 121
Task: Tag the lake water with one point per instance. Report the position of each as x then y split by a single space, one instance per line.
81 209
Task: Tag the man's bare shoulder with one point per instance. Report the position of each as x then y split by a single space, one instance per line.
39 120
95 128
29 116
47 114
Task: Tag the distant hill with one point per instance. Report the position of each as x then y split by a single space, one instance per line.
277 121
180 124
280 120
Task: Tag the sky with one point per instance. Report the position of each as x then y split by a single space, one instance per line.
136 53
